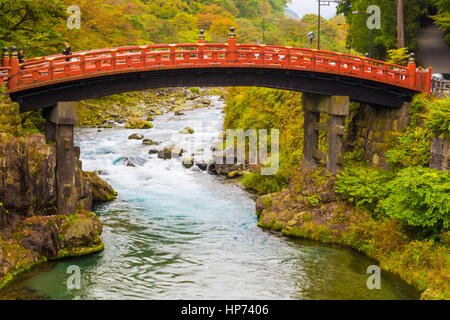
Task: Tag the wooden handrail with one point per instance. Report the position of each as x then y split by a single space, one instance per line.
91 63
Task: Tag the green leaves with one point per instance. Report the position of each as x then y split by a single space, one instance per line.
420 197
439 117
363 186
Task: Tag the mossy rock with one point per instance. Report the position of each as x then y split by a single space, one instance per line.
136 136
187 130
149 142
188 162
100 189
138 123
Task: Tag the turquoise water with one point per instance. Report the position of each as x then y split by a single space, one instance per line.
175 233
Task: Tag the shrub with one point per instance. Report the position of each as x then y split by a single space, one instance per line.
412 148
260 184
439 117
364 186
420 197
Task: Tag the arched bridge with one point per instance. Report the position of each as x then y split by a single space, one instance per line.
329 80
41 83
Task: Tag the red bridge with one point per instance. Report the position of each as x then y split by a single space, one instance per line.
42 82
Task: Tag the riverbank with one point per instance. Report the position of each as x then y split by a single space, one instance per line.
178 233
309 208
31 230
400 216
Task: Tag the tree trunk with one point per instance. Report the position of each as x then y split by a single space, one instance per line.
400 25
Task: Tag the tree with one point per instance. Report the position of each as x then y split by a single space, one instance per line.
400 25
415 16
30 24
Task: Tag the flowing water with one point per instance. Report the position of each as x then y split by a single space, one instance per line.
175 233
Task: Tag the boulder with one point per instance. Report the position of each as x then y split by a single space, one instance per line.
130 161
187 130
149 142
153 151
188 162
203 165
50 236
179 113
101 191
137 123
136 136
170 152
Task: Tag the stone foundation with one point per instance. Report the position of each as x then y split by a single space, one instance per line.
377 127
440 153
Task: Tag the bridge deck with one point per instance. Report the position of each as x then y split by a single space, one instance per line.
54 71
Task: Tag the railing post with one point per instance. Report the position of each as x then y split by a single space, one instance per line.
113 58
201 38
412 70
173 57
14 65
428 81
201 42
5 58
232 46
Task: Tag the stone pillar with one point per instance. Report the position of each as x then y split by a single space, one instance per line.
337 107
310 138
335 142
440 153
59 129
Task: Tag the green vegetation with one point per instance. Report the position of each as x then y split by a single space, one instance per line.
443 16
40 26
260 108
428 117
416 15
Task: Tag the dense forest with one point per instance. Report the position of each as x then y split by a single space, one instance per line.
40 26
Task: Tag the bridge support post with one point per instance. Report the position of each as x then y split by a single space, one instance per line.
337 107
311 138
59 129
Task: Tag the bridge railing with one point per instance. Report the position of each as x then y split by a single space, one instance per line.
4 72
94 63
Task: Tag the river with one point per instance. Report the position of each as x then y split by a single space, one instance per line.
177 233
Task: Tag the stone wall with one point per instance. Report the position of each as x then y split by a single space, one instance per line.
374 128
440 152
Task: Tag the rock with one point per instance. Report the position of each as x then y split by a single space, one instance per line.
170 152
204 101
101 191
179 113
187 130
84 231
234 174
131 161
187 162
153 151
54 236
136 136
225 164
149 142
205 165
149 118
138 123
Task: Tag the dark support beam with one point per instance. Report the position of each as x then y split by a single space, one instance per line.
337 107
311 139
335 143
60 121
